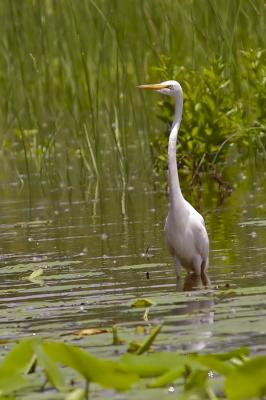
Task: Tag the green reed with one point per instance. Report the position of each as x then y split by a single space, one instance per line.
68 73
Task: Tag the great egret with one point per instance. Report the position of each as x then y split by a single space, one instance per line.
185 232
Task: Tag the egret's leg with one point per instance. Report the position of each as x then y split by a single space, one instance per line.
177 265
205 279
204 266
179 285
196 264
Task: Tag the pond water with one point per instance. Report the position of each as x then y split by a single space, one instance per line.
100 253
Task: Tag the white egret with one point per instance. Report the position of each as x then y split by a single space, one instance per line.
185 232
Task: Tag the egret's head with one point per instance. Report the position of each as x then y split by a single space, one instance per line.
170 88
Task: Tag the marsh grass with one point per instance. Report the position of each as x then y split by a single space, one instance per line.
68 72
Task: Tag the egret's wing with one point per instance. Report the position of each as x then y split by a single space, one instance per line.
201 239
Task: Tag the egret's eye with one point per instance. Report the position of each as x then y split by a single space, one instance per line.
170 87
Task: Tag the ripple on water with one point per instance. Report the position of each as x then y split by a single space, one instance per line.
93 270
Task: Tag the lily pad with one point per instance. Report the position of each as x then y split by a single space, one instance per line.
140 303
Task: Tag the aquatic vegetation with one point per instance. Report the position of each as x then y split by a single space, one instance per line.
142 303
242 377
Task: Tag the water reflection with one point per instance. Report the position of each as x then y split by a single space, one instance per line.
193 282
201 311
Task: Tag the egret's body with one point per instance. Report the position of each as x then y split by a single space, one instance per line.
185 232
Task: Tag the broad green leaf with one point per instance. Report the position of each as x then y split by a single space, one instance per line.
237 353
210 361
220 362
168 377
90 332
154 364
248 380
21 357
106 373
10 381
52 371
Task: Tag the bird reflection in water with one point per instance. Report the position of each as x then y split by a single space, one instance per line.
198 312
192 282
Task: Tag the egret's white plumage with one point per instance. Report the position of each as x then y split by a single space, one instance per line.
185 232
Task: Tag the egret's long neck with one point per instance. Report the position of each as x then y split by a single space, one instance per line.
175 193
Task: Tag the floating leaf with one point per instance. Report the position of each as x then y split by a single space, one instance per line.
227 293
37 281
154 266
36 277
27 267
139 303
36 274
33 224
90 331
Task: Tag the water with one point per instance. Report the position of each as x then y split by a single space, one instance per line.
99 254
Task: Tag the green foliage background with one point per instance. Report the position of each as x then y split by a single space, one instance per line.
217 118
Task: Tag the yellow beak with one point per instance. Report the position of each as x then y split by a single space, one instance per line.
155 86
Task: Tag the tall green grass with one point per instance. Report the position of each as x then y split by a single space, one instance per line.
68 71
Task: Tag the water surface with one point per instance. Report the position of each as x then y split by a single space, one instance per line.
97 254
